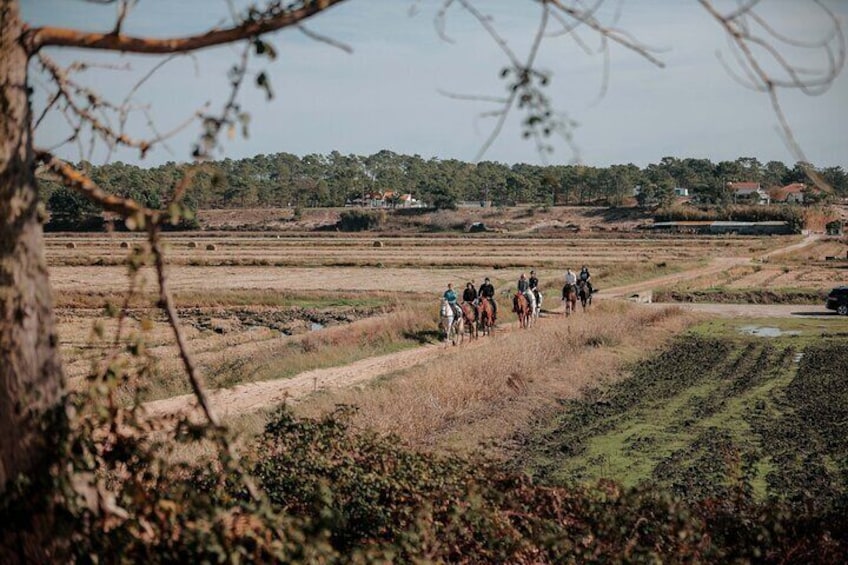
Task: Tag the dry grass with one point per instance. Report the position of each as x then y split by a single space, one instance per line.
226 361
490 393
815 253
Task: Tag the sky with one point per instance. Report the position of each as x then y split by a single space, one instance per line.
389 93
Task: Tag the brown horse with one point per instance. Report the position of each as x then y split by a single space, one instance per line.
486 317
521 306
584 293
469 316
569 296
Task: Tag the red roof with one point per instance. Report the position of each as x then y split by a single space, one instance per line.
744 185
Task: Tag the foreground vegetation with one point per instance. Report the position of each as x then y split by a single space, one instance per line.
720 448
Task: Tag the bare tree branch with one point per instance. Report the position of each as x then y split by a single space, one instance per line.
68 90
324 39
274 19
744 40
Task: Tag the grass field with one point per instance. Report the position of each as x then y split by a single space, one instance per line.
715 407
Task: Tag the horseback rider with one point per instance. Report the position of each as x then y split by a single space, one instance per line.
534 286
586 278
470 293
469 296
487 290
570 277
524 288
450 297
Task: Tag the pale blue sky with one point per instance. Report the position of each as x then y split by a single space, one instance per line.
385 95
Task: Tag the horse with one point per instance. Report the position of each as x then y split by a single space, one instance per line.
538 304
486 316
584 293
469 318
531 304
521 306
451 326
569 296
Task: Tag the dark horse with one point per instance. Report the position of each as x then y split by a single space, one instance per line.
486 317
584 293
521 306
569 296
469 315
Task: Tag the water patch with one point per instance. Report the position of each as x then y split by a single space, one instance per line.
315 326
767 331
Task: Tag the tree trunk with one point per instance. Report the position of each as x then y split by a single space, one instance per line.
31 379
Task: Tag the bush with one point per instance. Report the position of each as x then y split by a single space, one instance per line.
334 496
361 220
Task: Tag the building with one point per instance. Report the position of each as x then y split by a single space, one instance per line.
791 193
721 227
750 192
388 199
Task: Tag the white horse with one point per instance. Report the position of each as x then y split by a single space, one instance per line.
538 307
451 326
531 299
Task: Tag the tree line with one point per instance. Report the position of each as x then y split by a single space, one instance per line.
284 179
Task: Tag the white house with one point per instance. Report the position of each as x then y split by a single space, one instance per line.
749 191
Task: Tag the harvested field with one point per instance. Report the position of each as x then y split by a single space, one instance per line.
247 305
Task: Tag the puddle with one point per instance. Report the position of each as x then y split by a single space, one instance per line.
767 331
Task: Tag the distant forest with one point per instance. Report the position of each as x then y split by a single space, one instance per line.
315 180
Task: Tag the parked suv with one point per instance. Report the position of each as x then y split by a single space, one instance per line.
838 300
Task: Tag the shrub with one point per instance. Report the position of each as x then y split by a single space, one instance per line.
361 220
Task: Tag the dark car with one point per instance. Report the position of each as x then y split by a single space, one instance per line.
838 300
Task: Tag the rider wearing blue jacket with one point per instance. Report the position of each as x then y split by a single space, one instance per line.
450 296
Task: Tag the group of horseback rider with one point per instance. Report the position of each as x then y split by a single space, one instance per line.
530 288
582 278
472 295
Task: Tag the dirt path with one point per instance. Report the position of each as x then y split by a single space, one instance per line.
256 396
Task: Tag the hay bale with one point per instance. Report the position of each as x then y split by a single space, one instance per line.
211 247
378 243
125 245
71 245
192 245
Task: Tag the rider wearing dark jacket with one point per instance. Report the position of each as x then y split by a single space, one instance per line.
585 277
534 285
469 296
470 293
487 290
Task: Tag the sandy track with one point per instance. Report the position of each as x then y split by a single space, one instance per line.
258 395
